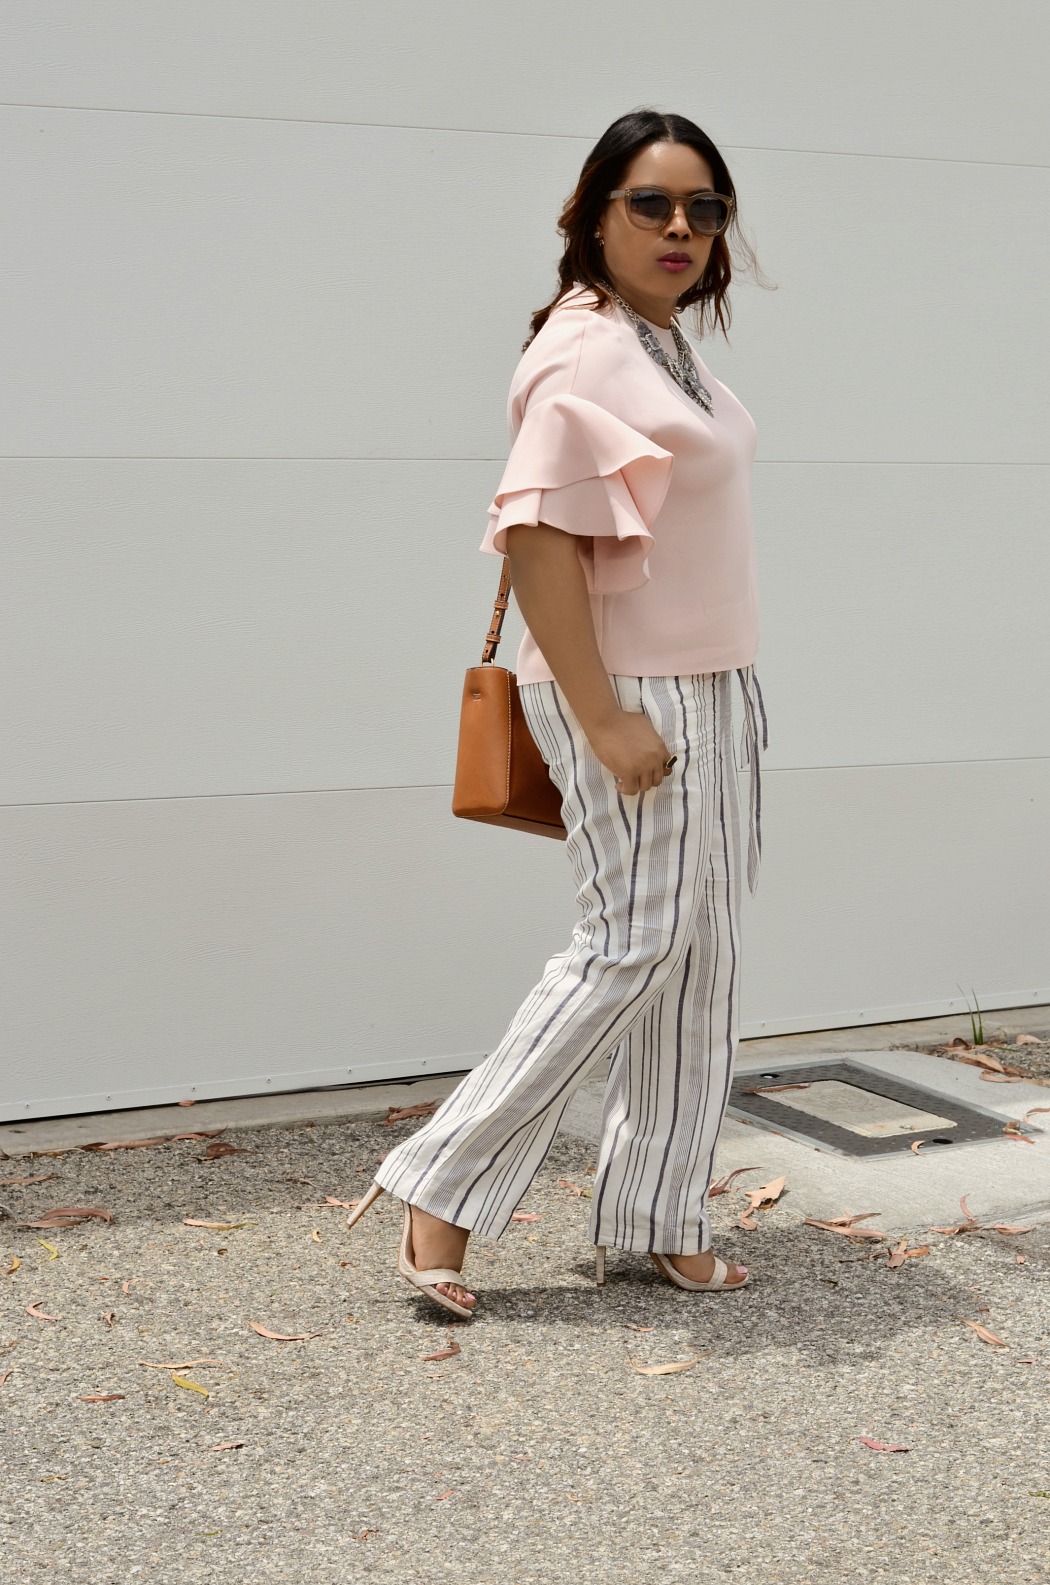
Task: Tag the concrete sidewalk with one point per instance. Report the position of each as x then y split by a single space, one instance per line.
543 1452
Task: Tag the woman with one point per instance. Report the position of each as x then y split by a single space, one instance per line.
625 512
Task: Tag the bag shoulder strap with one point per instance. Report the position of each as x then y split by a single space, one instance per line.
499 611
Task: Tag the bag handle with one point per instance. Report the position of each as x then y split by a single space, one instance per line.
499 611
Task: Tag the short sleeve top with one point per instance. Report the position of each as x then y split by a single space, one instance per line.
607 446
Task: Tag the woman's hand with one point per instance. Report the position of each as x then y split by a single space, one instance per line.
631 747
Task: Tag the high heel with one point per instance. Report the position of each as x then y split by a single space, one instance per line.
716 1283
362 1205
422 1281
599 1265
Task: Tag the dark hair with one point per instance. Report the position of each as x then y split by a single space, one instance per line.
603 169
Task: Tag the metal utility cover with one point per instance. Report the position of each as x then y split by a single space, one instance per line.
856 1111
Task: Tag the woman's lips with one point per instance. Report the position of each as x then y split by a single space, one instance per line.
675 262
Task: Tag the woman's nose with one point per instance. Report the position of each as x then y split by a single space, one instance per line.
678 223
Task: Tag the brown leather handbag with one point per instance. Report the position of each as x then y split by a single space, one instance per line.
501 777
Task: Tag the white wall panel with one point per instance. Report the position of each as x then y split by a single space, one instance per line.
202 287
238 945
944 79
267 272
909 319
903 612
241 944
208 627
884 889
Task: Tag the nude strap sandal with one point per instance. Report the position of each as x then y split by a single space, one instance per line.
715 1284
423 1281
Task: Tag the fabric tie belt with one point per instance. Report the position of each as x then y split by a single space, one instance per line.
750 748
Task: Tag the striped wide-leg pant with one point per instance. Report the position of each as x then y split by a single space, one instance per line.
651 976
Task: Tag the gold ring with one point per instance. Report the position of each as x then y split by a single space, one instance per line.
669 762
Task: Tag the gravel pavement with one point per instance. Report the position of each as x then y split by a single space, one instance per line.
539 1452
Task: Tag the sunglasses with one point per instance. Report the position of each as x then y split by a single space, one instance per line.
652 207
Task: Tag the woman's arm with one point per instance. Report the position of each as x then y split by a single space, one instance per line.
551 590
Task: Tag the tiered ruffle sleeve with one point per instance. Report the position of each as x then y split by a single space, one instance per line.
575 465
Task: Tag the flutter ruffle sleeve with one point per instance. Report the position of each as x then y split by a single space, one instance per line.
577 467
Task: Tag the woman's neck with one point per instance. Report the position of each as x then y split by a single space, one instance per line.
657 311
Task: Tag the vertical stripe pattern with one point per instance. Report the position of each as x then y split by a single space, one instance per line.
650 976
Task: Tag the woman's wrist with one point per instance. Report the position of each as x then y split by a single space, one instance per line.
600 723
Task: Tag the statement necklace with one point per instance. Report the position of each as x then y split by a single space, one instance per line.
684 371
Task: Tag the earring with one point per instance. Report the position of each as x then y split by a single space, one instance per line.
601 239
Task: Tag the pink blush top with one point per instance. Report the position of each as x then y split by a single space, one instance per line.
608 447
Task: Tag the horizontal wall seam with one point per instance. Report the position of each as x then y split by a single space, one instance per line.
411 787
779 462
503 132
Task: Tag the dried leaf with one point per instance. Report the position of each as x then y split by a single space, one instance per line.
346 1205
100 1397
668 1370
223 1447
6 1376
986 1336
1000 1078
916 1145
193 1221
722 1186
13 1267
567 1183
69 1216
1026 1040
41 1177
316 1236
844 1226
1032 1111
184 1364
527 1216
1004 1227
773 1089
769 1194
1012 1131
191 1386
958 1044
186 1103
282 1337
126 1285
128 1144
37 1314
902 1253
109 1316
883 1447
632 1326
444 1494
978 1059
53 1255
395 1114
443 1353
748 1221
221 1148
